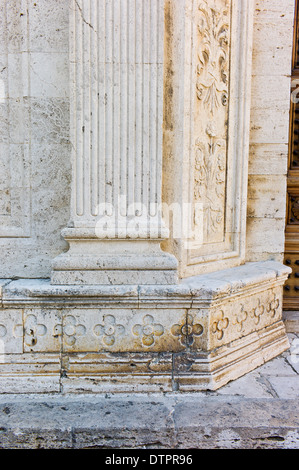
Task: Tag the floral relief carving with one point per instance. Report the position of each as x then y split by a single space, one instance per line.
241 318
220 324
187 330
257 312
273 306
213 53
148 331
210 177
109 331
211 121
33 329
71 329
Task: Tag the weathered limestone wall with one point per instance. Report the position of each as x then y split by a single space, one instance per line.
35 150
34 137
271 69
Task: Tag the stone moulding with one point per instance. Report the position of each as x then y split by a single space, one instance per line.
195 335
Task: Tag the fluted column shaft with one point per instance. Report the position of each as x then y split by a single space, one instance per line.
116 63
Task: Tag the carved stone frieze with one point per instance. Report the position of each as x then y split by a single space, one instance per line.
109 331
78 329
237 318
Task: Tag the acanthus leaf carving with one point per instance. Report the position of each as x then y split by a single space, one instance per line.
212 90
212 68
210 178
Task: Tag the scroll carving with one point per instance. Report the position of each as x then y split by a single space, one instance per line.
210 177
212 68
212 92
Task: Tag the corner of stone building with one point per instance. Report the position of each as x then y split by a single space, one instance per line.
113 317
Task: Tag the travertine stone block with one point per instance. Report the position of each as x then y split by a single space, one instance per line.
34 110
49 26
259 204
268 159
269 128
276 130
11 332
49 75
265 237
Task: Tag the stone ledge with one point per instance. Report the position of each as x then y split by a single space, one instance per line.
217 285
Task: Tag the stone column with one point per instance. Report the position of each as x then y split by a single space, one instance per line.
116 60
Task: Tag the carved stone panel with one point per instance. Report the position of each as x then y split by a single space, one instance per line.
211 115
206 131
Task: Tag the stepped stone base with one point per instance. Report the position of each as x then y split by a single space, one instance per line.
139 422
196 335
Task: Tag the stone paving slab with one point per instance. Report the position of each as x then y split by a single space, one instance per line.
155 422
259 410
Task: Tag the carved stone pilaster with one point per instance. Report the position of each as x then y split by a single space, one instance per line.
211 122
207 144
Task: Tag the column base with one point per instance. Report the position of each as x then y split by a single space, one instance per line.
196 335
93 261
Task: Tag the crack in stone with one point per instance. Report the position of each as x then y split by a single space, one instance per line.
84 20
41 79
269 388
171 419
289 363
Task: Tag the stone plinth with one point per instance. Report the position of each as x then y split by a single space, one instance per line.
195 335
